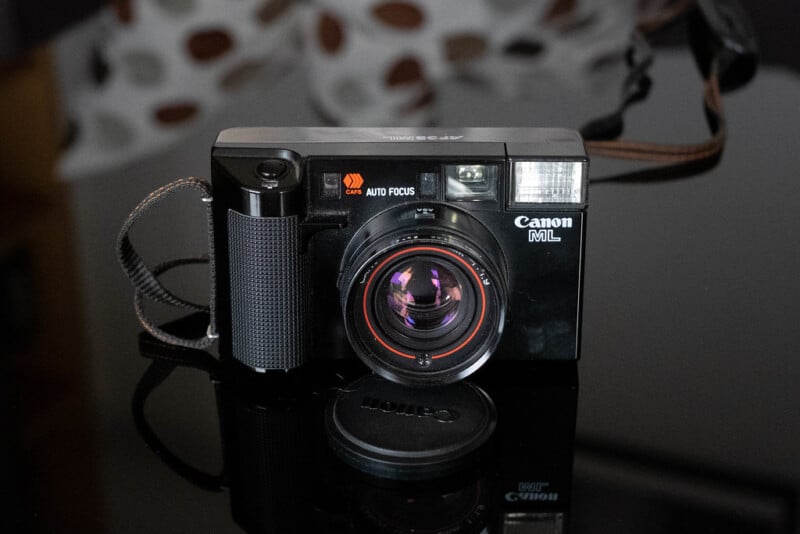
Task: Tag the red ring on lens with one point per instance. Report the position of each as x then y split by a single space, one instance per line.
458 258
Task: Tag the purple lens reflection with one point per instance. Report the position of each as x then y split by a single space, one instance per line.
423 294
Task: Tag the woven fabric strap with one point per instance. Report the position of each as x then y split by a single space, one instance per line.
603 135
145 281
673 153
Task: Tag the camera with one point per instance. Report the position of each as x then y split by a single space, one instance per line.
423 252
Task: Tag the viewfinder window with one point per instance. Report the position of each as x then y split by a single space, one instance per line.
471 182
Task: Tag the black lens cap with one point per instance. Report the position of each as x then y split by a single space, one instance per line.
398 432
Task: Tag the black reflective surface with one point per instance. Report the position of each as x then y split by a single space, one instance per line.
284 472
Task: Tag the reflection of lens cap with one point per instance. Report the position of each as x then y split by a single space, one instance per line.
394 431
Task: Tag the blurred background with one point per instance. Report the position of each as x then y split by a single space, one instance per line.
688 414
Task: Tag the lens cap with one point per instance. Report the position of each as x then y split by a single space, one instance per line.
393 431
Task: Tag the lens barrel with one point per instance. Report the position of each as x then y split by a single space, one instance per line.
423 292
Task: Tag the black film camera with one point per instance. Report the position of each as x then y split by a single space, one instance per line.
422 251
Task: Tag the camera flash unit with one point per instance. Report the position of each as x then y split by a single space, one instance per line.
548 182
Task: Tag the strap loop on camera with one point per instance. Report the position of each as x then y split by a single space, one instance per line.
146 282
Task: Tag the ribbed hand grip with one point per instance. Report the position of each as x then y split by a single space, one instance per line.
268 288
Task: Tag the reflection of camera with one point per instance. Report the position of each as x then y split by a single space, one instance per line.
424 251
282 477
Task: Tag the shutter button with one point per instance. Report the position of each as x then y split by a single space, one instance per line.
268 171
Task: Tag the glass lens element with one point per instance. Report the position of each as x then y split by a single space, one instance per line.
423 295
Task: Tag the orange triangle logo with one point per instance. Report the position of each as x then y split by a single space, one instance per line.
353 180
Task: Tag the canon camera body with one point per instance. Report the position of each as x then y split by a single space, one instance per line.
424 252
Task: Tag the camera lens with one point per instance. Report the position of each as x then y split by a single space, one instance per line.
422 301
423 297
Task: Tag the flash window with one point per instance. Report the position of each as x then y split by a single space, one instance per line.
543 182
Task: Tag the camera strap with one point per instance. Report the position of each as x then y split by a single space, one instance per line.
620 148
603 136
726 51
145 281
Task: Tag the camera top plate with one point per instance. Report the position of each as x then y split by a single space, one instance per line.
511 142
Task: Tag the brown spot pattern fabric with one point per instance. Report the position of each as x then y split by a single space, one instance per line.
176 113
330 32
239 75
208 45
421 102
366 62
559 9
464 47
403 15
273 10
405 71
124 10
